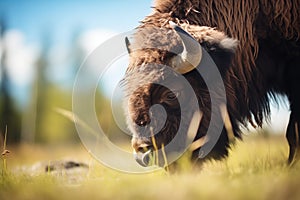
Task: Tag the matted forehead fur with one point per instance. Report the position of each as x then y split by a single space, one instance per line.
152 44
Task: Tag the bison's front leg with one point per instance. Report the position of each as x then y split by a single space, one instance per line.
292 86
292 136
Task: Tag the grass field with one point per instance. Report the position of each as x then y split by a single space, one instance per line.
255 169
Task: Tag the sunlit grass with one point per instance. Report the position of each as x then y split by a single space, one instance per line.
255 169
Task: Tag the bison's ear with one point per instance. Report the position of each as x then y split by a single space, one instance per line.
127 44
221 52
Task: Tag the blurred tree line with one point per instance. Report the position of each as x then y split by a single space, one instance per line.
9 115
38 121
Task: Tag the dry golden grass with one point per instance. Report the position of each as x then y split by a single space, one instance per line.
255 169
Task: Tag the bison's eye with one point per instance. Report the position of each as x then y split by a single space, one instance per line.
170 97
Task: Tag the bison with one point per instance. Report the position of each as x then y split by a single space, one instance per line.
256 48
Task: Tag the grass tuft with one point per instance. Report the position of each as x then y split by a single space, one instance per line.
4 154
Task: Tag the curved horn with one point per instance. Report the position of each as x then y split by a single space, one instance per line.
127 45
191 55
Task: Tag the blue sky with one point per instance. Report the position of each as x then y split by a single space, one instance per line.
62 18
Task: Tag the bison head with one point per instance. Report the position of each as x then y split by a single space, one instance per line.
159 103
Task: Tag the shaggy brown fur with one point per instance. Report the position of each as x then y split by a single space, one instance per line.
266 60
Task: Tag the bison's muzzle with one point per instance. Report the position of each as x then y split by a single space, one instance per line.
143 151
143 158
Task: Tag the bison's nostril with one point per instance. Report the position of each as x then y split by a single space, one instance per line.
144 149
141 145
